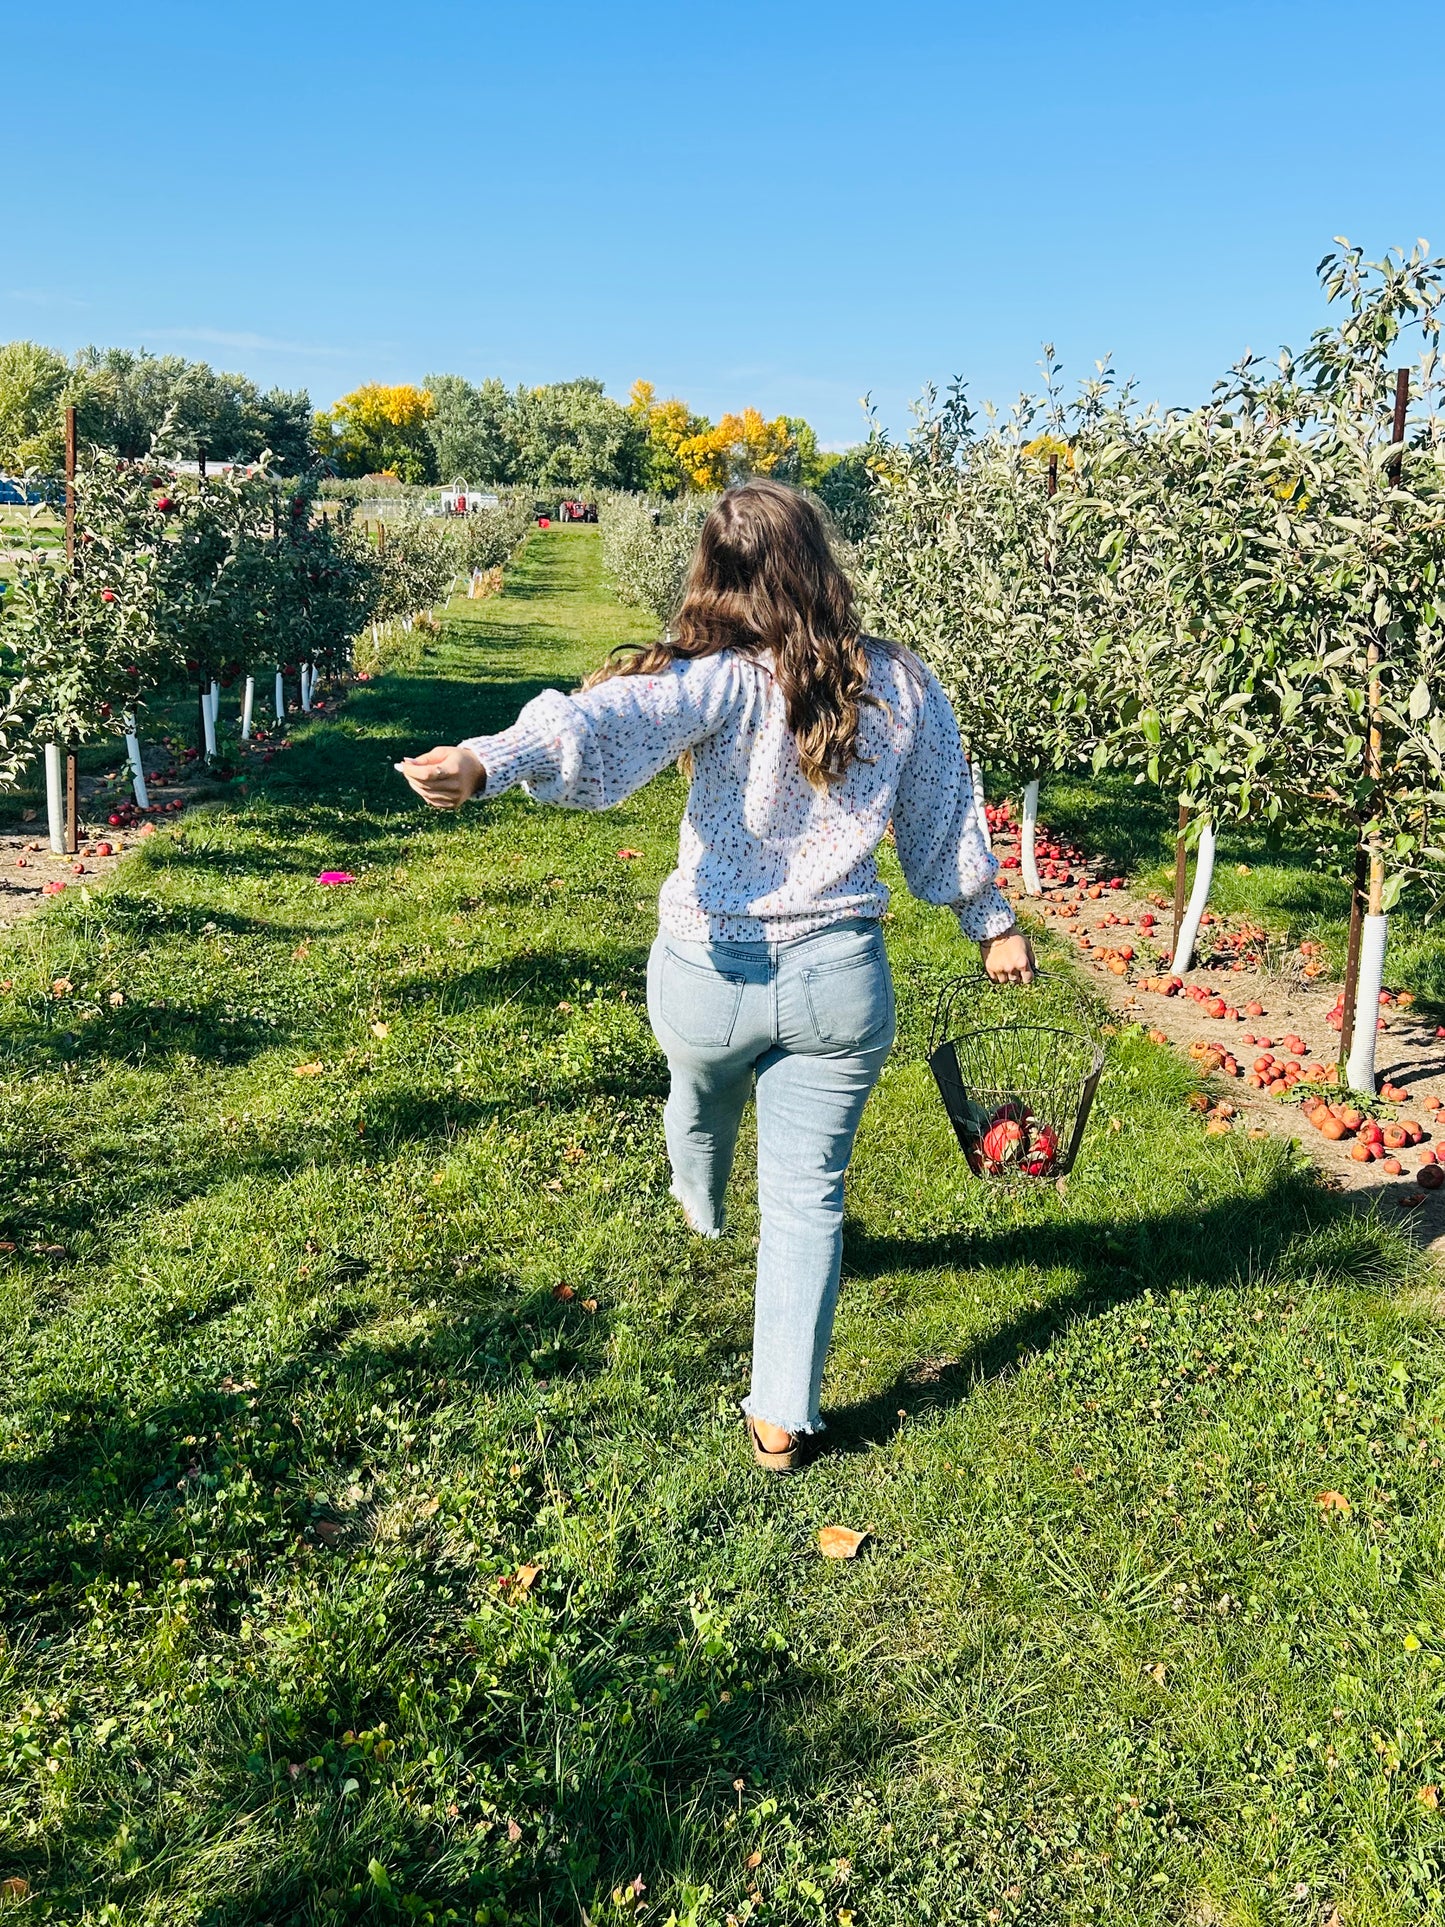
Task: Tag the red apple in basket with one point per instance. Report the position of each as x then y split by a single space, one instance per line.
1004 1141
1042 1152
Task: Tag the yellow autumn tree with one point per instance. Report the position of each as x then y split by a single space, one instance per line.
1046 446
666 426
739 446
380 430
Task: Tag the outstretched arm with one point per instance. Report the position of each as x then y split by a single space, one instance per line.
941 843
590 750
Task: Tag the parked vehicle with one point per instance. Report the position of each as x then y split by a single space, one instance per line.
461 500
16 493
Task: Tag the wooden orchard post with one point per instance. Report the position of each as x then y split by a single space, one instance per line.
70 486
1358 886
1366 958
1367 891
72 771
1181 882
1376 744
1375 748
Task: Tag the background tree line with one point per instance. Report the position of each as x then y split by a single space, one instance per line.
566 435
123 397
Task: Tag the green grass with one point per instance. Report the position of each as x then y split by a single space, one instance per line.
290 1395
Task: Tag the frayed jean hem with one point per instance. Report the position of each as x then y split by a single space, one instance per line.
800 1428
693 1226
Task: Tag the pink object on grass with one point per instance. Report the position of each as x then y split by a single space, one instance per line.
336 876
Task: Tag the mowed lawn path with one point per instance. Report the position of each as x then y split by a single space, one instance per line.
376 1535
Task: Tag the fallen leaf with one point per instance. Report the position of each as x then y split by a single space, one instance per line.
589 1304
524 1577
381 1030
14 1888
307 1070
1334 1502
302 949
839 1542
754 1859
116 999
563 1292
328 1531
28 816
514 1832
62 987
1429 1796
629 856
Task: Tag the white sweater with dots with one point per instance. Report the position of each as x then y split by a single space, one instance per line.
765 857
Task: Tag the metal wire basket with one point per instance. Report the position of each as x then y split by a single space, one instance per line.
1017 1070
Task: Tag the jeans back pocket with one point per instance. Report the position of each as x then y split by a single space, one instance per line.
850 999
697 1001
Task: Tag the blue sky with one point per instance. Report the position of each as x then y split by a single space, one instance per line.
777 204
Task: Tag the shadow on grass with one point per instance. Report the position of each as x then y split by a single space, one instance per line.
1297 1225
106 1497
138 1034
540 980
108 1502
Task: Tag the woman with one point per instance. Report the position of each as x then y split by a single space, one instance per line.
805 739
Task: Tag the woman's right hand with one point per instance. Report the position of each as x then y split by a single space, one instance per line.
1008 959
445 777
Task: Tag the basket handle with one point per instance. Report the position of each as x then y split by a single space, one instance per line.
973 980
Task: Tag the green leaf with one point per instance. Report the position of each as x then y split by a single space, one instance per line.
1390 895
1419 700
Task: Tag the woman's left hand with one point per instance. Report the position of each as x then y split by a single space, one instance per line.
1008 959
445 777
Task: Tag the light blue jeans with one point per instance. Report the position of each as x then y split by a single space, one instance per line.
808 1024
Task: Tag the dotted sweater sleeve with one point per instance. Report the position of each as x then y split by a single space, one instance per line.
936 825
593 749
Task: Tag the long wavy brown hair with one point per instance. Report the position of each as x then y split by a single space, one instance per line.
764 580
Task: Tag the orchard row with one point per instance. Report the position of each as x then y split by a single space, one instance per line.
1238 605
206 583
